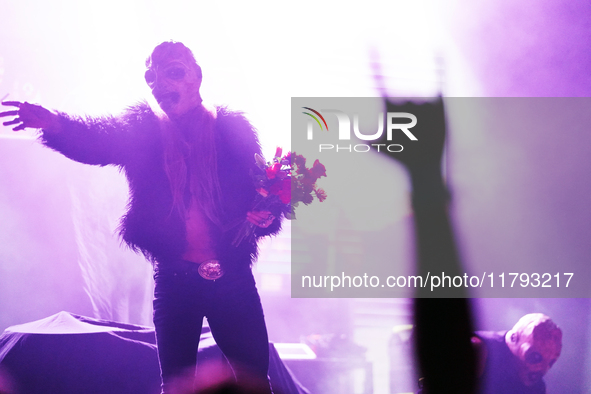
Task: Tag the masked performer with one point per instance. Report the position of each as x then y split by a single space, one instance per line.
190 193
515 361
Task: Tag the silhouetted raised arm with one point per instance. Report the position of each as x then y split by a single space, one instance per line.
442 325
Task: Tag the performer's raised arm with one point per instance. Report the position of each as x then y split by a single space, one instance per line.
30 116
89 140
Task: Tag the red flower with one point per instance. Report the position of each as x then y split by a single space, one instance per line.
299 160
318 169
307 198
280 185
282 189
308 184
321 194
303 171
272 171
287 159
297 192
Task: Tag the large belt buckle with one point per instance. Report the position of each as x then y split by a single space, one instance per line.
210 270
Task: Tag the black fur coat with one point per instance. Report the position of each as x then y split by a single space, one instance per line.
133 142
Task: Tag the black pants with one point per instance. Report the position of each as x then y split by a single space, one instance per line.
233 309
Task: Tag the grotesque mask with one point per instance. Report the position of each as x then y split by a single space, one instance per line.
536 342
174 77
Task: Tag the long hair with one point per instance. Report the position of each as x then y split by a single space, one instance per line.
190 159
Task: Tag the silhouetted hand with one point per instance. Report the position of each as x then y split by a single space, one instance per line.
29 115
425 153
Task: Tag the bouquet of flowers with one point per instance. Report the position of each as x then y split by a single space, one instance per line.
281 185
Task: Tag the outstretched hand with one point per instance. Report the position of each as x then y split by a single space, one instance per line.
29 115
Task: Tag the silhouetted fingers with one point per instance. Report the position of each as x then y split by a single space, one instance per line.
19 127
11 122
12 103
8 113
